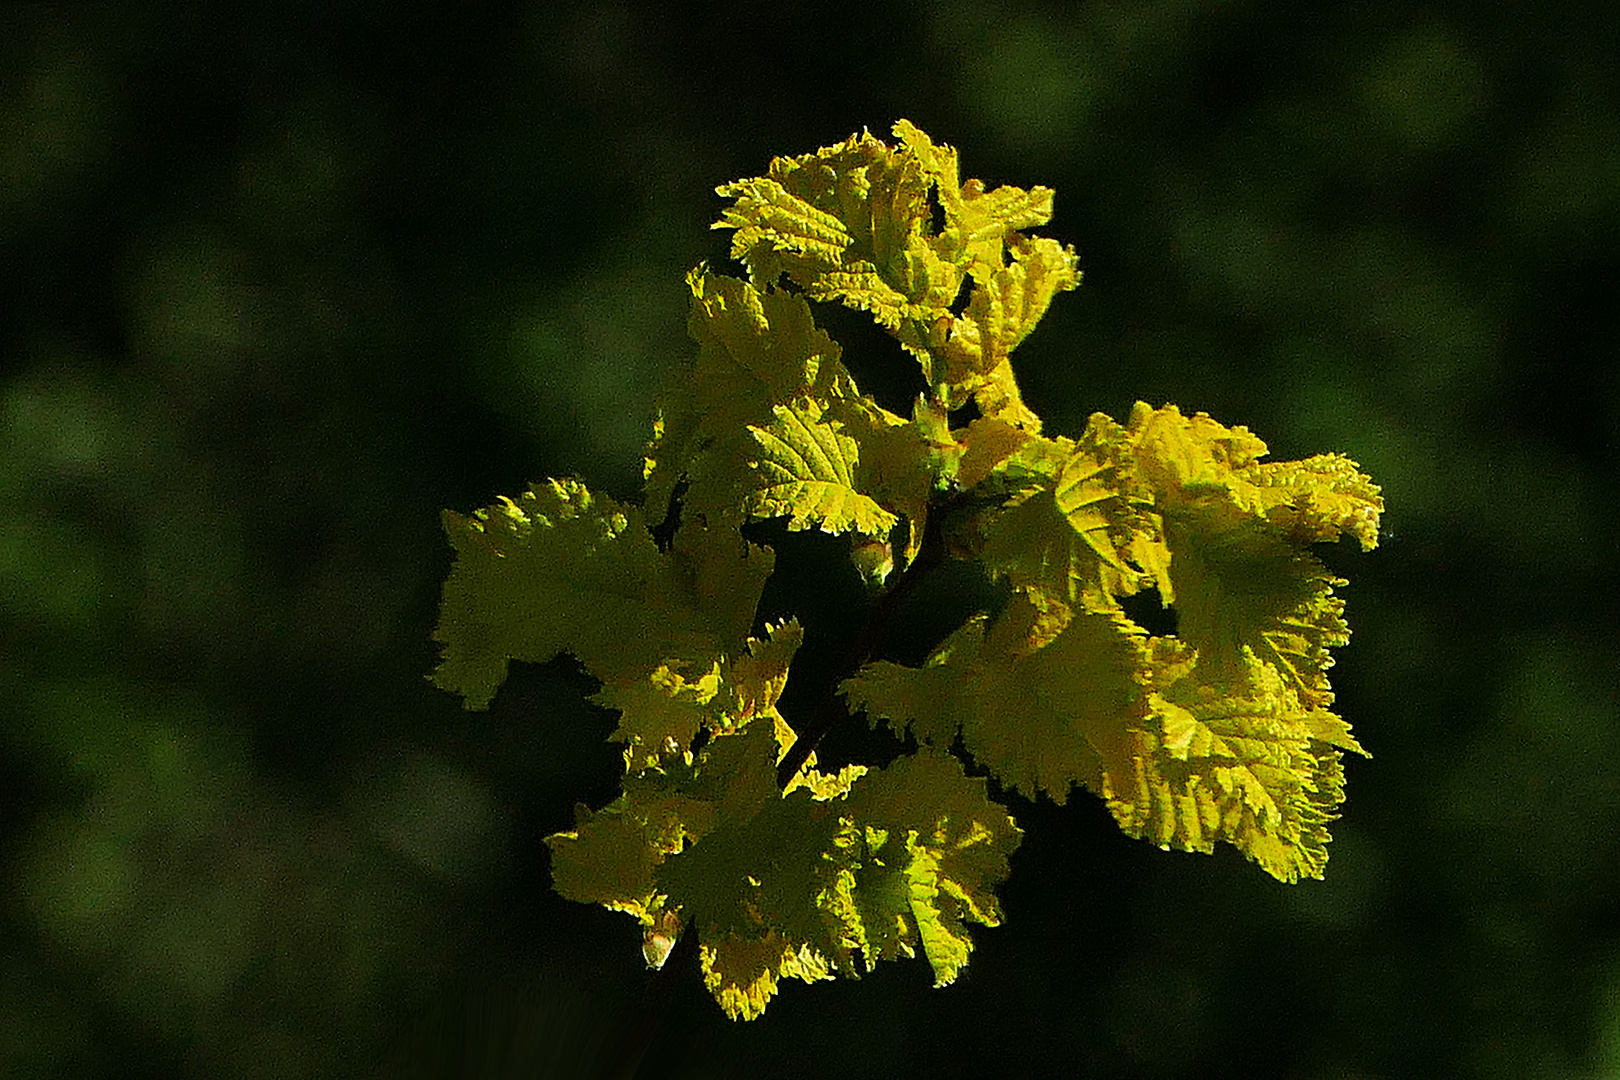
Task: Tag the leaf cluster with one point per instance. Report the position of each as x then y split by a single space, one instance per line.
726 827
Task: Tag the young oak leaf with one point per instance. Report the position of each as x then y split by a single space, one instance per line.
895 862
755 351
806 468
1243 593
1236 535
846 223
854 194
1321 498
1178 762
985 444
851 223
1063 709
966 354
1002 467
1188 458
1005 304
788 862
895 465
755 890
685 795
757 676
1102 499
926 701
1197 461
606 859
1072 540
1041 718
979 221
661 718
722 573
793 890
662 711
1031 463
935 850
1257 770
559 570
612 856
742 972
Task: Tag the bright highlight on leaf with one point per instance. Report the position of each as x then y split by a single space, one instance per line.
727 829
806 472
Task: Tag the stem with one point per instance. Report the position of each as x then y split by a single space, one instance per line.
830 706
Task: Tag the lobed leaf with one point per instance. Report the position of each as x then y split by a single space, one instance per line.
935 849
1221 733
1256 769
1236 534
1041 710
852 223
897 862
756 350
605 859
559 570
806 468
661 713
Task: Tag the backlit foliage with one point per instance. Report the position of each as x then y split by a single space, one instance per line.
726 827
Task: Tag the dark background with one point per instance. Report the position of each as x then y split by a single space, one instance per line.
278 281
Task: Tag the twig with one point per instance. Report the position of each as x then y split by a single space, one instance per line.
830 707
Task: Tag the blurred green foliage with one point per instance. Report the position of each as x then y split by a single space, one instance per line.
281 280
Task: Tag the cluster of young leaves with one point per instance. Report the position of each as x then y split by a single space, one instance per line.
726 828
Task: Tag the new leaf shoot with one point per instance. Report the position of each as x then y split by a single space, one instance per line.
726 827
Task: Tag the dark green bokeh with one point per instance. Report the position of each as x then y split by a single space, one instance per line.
281 280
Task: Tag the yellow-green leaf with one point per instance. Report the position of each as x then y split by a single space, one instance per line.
756 350
559 570
936 849
806 469
852 223
1255 769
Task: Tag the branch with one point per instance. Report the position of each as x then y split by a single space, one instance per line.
830 707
